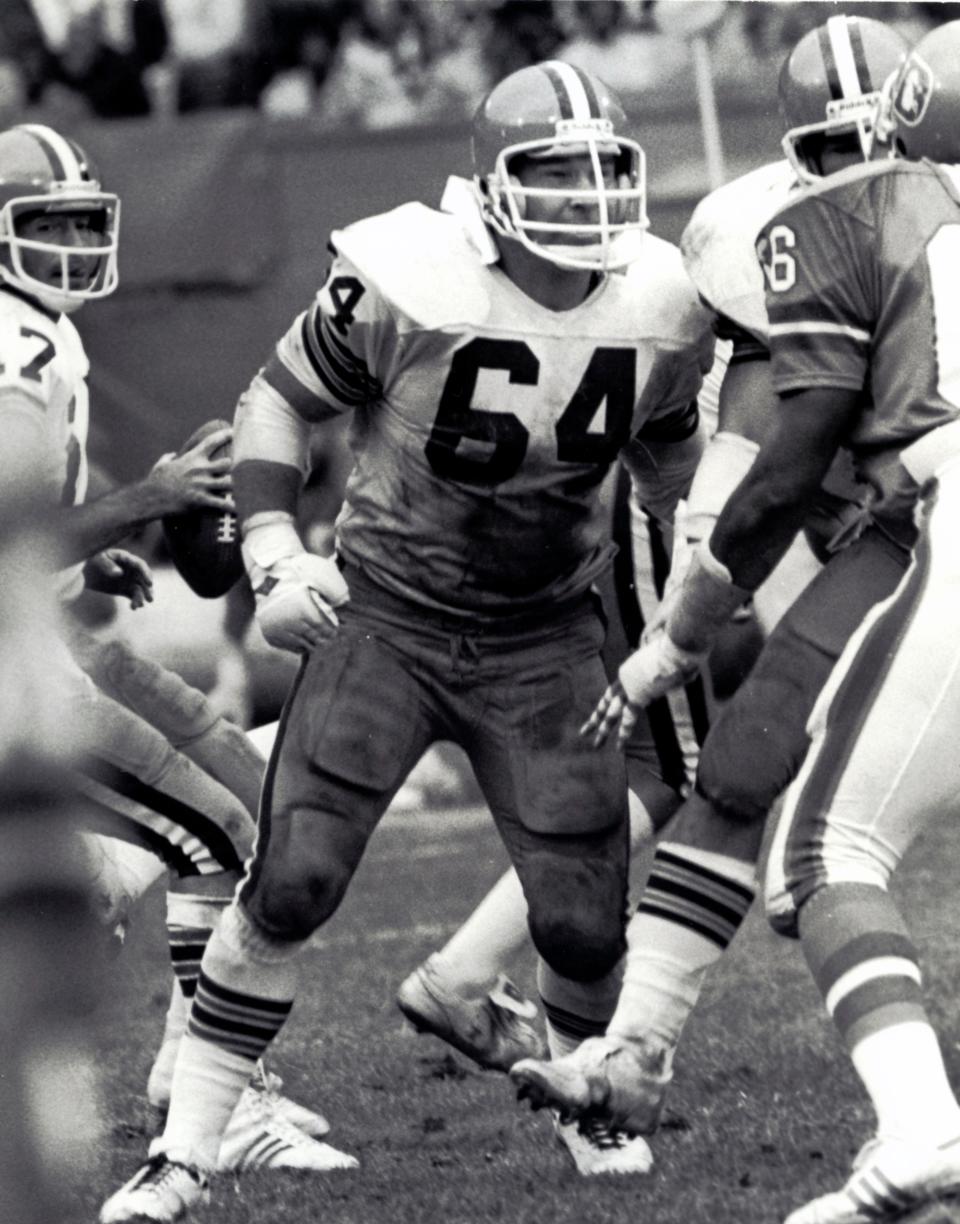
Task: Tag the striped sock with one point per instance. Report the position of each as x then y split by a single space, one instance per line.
190 922
691 908
243 996
575 1010
867 969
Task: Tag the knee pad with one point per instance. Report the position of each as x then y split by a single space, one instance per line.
578 914
291 905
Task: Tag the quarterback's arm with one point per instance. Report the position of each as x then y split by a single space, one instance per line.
83 530
175 483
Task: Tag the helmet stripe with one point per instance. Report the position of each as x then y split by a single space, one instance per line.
838 30
568 86
58 151
829 62
860 58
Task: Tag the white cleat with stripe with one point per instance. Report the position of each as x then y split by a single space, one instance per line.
260 1135
890 1177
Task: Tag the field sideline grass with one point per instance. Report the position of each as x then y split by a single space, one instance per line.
764 1113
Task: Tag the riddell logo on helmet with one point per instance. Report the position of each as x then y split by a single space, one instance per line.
584 127
913 92
852 108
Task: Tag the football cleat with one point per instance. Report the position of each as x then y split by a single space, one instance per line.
162 1190
307 1120
495 1030
259 1136
598 1148
890 1177
161 1076
621 1082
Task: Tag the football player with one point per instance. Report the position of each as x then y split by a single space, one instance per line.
871 278
461 993
702 880
497 356
174 778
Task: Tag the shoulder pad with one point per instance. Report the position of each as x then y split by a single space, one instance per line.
718 243
663 300
421 262
846 188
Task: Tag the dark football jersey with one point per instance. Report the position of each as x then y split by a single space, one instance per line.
863 293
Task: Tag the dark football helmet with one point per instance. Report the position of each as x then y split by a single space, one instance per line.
922 111
553 109
42 172
830 89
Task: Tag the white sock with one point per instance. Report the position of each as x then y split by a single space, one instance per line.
902 1070
487 942
690 909
207 1084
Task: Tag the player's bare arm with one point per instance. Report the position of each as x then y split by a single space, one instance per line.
175 483
766 511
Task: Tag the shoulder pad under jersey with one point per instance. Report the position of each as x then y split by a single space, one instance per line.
662 300
421 262
718 243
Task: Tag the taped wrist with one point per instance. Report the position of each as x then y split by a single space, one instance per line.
725 462
268 538
707 600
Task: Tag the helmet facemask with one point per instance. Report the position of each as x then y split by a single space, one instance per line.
81 272
620 210
850 126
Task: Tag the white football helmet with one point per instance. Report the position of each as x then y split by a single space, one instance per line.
553 109
44 172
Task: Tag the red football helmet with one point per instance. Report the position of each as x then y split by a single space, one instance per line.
830 88
42 172
922 111
554 109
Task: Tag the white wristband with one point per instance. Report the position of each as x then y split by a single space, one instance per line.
266 543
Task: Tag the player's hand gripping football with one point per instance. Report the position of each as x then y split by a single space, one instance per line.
657 667
198 477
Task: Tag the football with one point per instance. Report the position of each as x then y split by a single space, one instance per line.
204 545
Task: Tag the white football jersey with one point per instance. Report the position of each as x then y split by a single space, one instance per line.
484 423
718 244
43 374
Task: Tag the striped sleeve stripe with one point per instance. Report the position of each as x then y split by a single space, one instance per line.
301 398
872 946
817 328
356 365
352 369
342 392
872 1191
182 818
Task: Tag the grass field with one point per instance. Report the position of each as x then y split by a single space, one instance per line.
765 1111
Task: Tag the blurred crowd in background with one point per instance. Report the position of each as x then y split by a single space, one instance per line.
370 63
